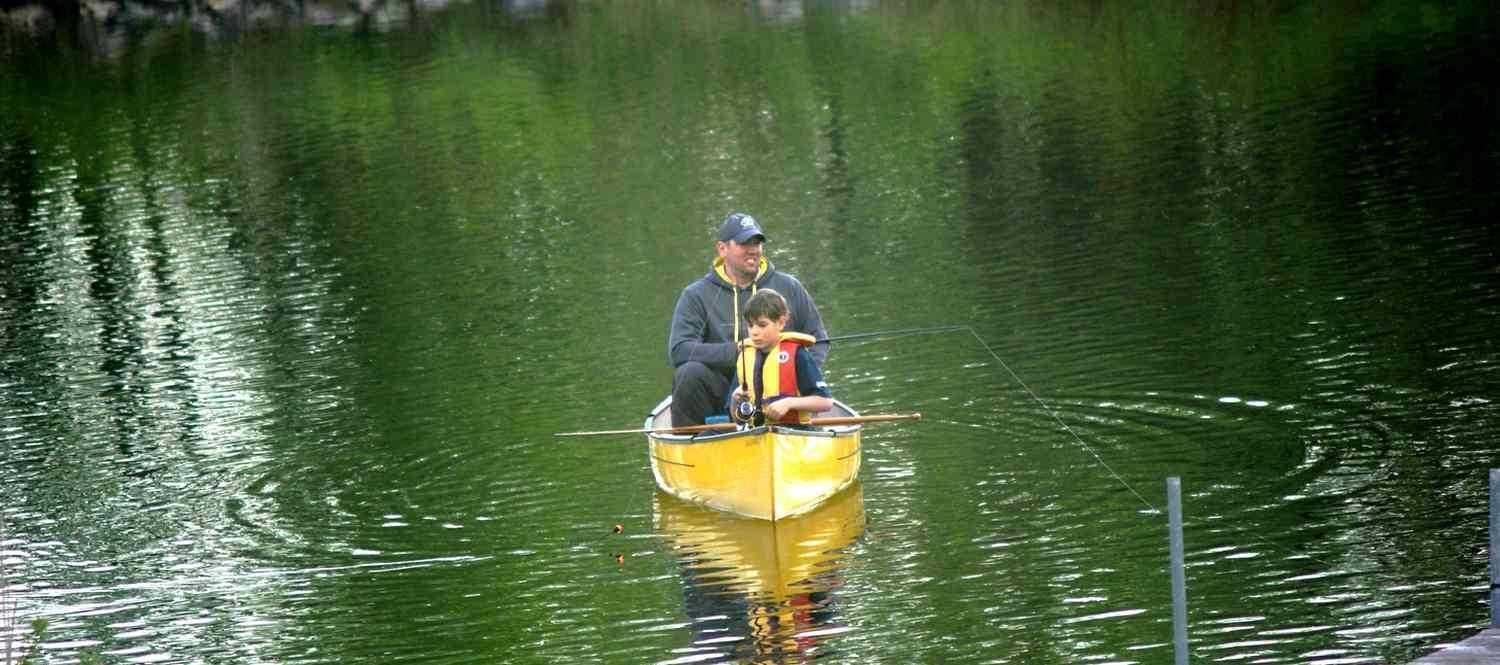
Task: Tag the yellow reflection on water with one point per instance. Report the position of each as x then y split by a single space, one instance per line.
762 590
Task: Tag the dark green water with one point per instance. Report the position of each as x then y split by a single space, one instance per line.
290 313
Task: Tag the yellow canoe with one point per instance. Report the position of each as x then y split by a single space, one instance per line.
767 473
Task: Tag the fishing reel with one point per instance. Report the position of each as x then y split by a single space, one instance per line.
744 413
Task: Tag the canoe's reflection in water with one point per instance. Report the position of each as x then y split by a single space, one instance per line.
758 591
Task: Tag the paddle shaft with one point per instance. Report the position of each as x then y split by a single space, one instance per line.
688 429
856 420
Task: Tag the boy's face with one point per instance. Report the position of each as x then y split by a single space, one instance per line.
765 332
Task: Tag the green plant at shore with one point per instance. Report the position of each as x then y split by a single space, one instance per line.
26 651
7 612
23 655
10 651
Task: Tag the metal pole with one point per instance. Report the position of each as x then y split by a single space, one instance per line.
1179 578
1494 546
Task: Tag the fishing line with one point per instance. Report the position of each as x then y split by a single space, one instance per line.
1263 540
1048 407
1053 413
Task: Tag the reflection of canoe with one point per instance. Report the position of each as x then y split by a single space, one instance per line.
767 473
766 561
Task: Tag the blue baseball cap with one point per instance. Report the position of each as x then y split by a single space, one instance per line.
739 227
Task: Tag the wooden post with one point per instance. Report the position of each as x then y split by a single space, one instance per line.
1494 546
1179 576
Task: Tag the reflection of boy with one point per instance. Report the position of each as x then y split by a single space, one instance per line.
775 372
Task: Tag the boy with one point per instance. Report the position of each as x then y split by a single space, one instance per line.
775 373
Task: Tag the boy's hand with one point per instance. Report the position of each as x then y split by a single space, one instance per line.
775 410
735 399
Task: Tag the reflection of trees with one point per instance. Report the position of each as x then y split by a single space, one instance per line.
112 277
133 336
22 283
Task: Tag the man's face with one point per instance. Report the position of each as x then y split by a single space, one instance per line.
742 259
765 332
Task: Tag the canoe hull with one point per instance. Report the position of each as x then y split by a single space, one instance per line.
766 473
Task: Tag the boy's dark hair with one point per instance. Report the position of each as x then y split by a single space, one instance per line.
767 303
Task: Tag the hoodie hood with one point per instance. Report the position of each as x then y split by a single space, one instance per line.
720 276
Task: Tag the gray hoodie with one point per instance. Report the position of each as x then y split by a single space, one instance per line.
711 308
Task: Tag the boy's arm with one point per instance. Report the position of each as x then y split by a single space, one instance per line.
815 397
810 376
808 403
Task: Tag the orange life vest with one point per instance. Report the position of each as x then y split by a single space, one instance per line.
778 373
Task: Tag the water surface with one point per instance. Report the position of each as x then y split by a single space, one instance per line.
291 310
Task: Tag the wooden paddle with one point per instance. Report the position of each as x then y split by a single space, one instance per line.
686 429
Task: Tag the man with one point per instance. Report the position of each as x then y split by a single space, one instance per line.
708 322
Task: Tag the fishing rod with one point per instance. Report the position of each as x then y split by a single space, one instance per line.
893 333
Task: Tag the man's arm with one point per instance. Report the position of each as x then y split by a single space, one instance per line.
685 340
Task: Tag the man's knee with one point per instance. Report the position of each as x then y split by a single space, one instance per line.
691 373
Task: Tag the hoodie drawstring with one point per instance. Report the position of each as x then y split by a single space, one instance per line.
737 344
